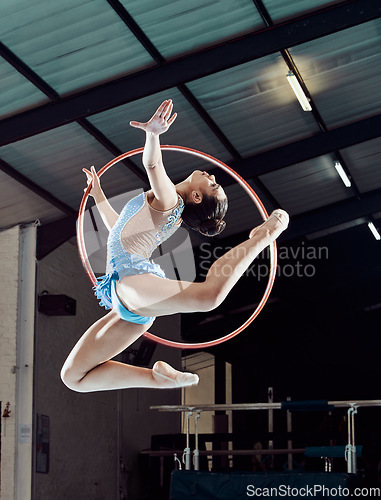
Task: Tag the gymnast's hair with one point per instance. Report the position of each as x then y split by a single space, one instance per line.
207 216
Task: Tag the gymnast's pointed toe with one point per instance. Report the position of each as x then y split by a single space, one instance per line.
186 379
276 223
282 217
167 377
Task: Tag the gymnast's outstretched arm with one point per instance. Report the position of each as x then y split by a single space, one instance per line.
164 191
107 213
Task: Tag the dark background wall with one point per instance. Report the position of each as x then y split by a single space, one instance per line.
318 337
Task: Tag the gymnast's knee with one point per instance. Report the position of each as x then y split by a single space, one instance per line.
71 379
209 299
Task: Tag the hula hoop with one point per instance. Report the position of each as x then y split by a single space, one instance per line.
250 192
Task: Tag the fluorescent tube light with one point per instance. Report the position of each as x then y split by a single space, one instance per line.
342 174
295 85
375 233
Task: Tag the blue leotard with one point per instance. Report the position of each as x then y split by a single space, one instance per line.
139 230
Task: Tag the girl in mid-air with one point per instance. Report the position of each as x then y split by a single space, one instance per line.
135 288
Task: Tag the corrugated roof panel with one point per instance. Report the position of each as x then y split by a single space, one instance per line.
54 160
178 26
306 186
363 161
280 10
72 44
18 204
343 73
254 105
16 92
336 229
188 130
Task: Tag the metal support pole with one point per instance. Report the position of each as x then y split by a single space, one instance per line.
270 399
161 472
350 449
354 451
25 362
187 451
177 461
289 441
196 453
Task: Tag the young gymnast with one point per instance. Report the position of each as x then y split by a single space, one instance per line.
135 288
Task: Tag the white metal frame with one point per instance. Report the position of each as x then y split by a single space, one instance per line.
350 450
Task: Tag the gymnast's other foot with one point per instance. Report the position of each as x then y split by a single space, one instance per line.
169 378
275 224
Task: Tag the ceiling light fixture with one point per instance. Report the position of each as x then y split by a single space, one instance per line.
342 174
375 233
296 87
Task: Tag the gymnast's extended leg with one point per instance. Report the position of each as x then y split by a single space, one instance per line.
150 295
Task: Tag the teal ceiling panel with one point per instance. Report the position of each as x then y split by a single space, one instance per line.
73 44
306 186
177 27
16 92
54 160
280 10
188 130
254 105
363 162
343 73
20 205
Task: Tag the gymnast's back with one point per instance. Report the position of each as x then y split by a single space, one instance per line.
140 229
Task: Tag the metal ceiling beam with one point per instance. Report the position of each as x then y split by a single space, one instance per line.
188 68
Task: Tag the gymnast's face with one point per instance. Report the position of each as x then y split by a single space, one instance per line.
205 183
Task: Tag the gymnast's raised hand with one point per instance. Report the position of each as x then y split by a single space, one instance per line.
160 121
134 288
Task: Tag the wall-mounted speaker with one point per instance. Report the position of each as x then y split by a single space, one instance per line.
56 305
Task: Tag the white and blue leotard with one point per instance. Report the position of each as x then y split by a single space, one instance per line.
139 230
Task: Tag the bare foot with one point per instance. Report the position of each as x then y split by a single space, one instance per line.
276 223
169 378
